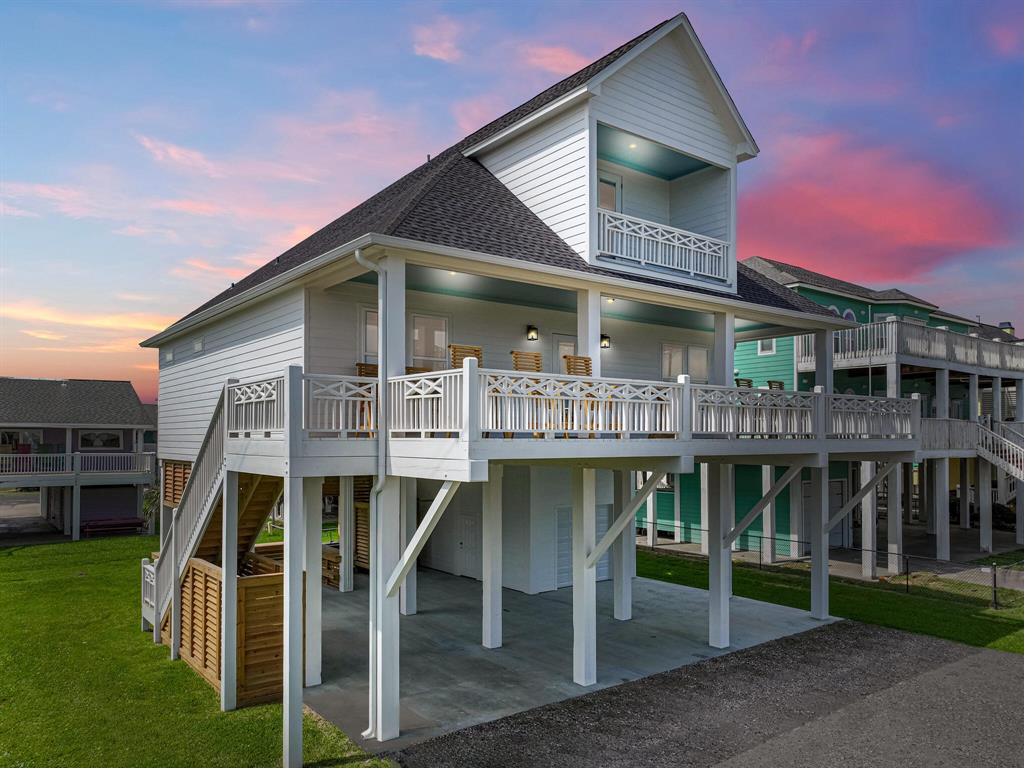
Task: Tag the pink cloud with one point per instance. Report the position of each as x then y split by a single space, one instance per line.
862 212
181 158
196 266
439 39
194 207
471 114
557 59
1006 37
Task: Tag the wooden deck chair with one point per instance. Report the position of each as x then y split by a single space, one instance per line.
745 383
369 370
776 384
459 352
411 369
532 362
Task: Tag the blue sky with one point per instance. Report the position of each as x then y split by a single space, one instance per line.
154 152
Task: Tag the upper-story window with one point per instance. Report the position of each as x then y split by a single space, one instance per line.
430 341
609 192
369 340
692 359
849 314
766 346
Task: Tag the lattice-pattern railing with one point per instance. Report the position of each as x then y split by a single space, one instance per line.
856 416
656 245
425 403
736 412
256 407
340 405
1003 453
551 405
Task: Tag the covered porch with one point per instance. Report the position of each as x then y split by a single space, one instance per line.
450 681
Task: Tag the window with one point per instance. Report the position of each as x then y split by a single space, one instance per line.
609 193
766 347
20 440
430 341
834 310
369 340
197 345
169 356
99 440
691 359
849 314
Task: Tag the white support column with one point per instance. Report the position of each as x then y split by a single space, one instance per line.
985 505
394 323
767 516
229 593
819 513
407 594
66 493
723 357
704 516
652 517
972 397
893 382
622 549
894 522
868 523
346 535
940 496
588 326
76 507
963 493
294 546
942 393
823 361
584 580
492 565
385 525
44 503
997 399
313 501
677 509
908 493
927 488
1018 417
719 555
797 546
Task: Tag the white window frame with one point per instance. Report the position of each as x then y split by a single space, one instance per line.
614 179
849 314
442 362
364 310
682 358
761 352
685 347
83 432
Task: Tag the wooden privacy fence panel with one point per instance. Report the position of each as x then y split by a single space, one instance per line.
261 638
175 477
200 619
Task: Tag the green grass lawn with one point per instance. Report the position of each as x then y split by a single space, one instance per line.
955 612
81 685
1014 558
277 534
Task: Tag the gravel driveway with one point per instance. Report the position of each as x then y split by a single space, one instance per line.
846 694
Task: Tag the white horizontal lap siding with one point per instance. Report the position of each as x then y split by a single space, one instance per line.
701 203
635 351
547 168
258 341
659 96
643 196
333 329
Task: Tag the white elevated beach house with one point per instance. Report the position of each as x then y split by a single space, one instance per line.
474 361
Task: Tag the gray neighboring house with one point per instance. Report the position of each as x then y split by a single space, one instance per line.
81 442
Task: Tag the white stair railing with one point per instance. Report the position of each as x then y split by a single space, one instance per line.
1006 455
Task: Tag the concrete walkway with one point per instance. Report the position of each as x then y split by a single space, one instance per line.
449 681
846 694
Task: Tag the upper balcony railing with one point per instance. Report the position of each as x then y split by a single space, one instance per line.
75 463
875 341
648 244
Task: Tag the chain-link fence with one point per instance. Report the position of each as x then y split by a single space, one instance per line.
996 584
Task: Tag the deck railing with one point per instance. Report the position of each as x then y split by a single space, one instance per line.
875 342
340 405
202 483
735 412
422 404
856 416
948 435
72 463
1006 454
256 408
657 245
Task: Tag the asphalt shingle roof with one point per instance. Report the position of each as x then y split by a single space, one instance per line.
453 200
70 401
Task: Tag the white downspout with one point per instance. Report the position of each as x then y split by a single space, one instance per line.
378 485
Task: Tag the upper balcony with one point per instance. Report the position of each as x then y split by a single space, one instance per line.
881 342
661 212
85 468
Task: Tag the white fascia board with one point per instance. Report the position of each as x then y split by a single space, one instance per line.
559 105
275 283
36 425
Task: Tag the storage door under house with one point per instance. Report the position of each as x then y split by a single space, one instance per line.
842 534
469 560
563 544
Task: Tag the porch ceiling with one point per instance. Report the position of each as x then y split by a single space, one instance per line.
644 155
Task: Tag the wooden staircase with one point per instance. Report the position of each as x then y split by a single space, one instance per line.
257 495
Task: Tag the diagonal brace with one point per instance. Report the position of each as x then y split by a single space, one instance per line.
629 513
419 539
883 472
762 504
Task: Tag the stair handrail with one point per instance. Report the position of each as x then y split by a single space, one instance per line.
1005 453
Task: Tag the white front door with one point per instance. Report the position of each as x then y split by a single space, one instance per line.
561 344
469 562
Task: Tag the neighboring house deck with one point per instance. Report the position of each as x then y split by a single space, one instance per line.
81 443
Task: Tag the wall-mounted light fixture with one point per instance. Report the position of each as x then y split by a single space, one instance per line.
531 333
606 341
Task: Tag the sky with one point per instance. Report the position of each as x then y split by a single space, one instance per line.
151 153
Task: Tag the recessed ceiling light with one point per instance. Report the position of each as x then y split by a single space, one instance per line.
451 273
632 146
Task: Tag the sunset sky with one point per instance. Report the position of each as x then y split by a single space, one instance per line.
154 152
